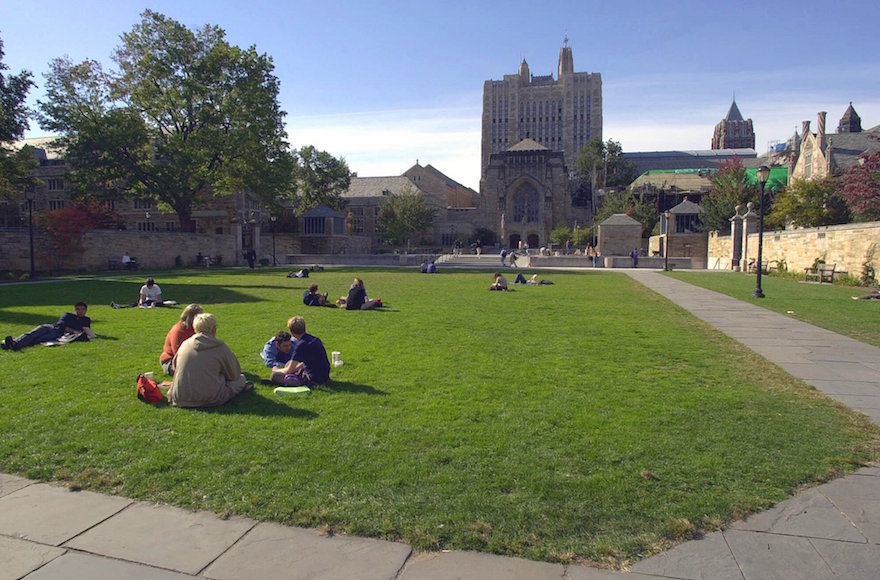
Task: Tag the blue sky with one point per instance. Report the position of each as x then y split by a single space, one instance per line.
384 84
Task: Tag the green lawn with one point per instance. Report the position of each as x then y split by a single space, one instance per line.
517 423
825 305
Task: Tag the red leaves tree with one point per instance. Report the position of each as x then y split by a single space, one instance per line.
861 187
67 226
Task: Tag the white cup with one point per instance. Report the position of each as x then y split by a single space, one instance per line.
337 358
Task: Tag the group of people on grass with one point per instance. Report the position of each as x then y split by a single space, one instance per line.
356 299
205 372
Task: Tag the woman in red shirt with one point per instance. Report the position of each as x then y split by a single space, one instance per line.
181 330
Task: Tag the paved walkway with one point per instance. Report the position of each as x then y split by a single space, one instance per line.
831 531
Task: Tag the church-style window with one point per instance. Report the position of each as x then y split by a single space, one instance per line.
526 204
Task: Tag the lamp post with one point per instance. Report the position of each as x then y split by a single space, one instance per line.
763 175
30 200
667 214
273 219
148 216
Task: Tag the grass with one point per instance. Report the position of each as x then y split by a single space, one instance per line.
521 423
825 305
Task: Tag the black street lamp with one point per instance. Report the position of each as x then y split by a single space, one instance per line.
667 214
273 219
30 201
763 175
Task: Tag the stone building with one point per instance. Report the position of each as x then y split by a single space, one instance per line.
734 132
561 115
527 193
821 154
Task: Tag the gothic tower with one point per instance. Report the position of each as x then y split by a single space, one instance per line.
734 132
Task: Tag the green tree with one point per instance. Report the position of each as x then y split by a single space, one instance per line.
808 203
403 215
626 202
15 166
601 165
729 188
321 178
187 116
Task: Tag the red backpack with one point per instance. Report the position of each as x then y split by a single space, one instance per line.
148 391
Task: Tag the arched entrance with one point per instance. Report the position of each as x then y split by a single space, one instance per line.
533 241
514 241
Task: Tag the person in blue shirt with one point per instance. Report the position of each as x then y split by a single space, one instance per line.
278 356
312 365
312 298
68 323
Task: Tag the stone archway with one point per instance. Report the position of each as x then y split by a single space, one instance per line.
513 241
533 240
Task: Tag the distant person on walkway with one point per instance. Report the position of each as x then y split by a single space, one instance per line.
251 258
312 298
513 257
278 356
357 298
206 372
503 257
635 257
499 282
181 330
69 323
594 255
312 365
478 247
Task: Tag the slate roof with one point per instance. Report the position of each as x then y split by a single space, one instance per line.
620 219
528 144
686 208
846 147
733 113
378 186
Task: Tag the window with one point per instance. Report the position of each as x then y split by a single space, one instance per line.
142 204
55 184
146 227
56 204
357 223
170 226
313 225
526 204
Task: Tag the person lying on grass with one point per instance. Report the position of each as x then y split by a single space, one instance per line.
277 354
312 366
69 324
206 372
181 330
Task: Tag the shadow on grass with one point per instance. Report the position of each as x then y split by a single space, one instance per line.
344 387
258 403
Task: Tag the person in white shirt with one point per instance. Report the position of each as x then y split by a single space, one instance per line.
150 296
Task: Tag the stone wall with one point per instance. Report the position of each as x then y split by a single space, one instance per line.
845 245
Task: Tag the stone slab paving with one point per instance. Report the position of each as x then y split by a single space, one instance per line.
275 551
52 515
453 564
76 566
18 557
163 536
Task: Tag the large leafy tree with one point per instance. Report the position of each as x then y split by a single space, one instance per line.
404 214
729 188
15 166
601 164
808 203
185 117
321 178
861 187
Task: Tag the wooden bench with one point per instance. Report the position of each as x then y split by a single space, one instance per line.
114 263
822 273
753 266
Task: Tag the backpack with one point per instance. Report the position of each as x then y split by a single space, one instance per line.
148 391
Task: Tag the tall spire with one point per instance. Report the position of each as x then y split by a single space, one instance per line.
566 60
733 114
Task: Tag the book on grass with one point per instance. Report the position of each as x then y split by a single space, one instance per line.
292 390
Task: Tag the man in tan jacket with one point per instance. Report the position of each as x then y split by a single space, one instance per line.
206 373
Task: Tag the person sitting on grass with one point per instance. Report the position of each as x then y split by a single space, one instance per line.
312 366
499 283
78 325
872 295
357 298
206 372
312 298
181 330
150 296
277 354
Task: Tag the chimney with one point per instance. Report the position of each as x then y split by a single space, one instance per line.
805 129
820 132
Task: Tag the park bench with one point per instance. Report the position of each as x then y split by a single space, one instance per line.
753 266
114 263
821 273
